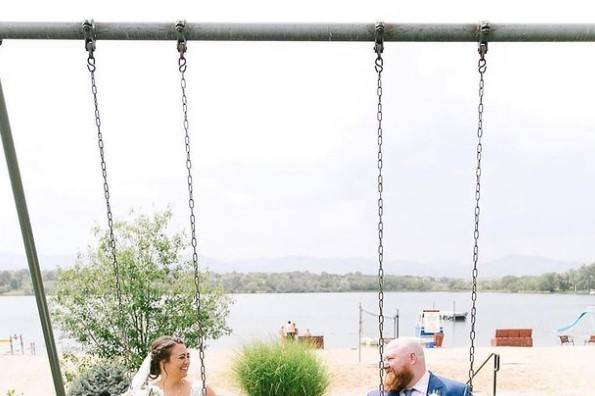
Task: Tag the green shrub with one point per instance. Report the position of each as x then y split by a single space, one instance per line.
73 365
105 377
280 369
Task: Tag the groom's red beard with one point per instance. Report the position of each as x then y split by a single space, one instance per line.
398 381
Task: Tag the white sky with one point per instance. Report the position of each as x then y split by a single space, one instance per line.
283 134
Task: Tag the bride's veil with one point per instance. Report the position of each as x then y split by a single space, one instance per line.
139 381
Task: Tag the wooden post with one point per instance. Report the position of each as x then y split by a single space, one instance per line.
359 335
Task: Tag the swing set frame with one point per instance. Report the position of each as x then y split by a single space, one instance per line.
345 32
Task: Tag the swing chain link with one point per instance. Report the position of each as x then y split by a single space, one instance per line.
182 48
379 66
88 28
481 68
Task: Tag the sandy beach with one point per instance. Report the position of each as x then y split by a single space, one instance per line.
524 371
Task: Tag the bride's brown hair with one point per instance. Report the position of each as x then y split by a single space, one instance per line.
161 352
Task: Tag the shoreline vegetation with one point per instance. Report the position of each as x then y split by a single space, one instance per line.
576 281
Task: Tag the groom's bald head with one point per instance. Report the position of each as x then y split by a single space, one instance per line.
404 363
406 345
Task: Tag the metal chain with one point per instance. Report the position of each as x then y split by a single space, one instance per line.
90 46
481 68
378 66
182 48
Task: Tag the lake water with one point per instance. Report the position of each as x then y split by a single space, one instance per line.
335 316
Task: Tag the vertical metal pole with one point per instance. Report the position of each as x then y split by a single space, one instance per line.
395 326
359 335
28 241
397 323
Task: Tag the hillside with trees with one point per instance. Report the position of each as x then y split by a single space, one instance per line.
580 280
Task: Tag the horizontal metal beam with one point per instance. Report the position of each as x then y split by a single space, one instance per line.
301 32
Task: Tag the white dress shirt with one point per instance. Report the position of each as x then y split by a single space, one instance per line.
421 387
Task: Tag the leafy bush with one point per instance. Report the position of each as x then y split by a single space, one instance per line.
74 365
105 378
280 369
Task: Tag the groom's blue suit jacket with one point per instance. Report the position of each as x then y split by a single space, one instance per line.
438 385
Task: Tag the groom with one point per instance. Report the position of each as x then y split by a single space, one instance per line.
406 373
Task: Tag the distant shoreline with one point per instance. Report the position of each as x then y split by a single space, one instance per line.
578 293
579 282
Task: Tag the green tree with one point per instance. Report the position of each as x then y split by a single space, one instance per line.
15 284
157 293
547 282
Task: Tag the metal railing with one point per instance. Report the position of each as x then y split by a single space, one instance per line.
362 311
495 370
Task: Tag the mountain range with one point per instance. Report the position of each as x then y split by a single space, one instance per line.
516 265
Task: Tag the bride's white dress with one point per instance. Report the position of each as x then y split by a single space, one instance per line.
153 390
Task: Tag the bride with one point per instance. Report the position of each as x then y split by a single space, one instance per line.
164 372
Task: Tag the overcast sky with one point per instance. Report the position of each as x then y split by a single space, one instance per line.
284 134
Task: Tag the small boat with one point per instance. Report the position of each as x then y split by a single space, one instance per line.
453 315
429 322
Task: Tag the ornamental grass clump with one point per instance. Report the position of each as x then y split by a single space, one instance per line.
280 369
